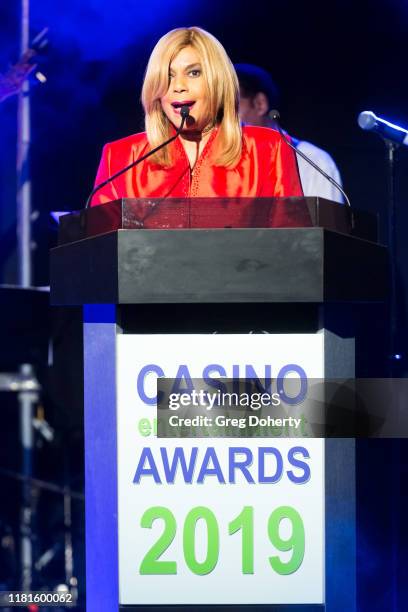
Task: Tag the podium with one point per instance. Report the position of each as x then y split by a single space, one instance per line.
215 522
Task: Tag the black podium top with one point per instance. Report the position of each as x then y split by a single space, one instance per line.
309 264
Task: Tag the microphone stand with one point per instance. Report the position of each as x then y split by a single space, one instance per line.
391 149
184 111
274 115
394 355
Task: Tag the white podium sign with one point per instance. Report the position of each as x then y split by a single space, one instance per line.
216 521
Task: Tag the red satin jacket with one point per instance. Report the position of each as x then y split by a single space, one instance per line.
267 168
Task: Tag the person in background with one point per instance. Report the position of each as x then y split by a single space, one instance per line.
258 96
214 156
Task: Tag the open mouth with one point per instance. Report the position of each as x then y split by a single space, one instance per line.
178 105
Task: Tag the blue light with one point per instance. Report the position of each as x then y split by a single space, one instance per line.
99 29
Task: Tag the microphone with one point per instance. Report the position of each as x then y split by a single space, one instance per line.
184 112
275 116
368 121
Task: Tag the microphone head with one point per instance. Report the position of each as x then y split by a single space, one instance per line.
185 111
274 115
367 120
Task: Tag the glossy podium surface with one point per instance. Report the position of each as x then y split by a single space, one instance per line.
216 213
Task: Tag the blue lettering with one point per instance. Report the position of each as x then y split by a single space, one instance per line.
262 478
146 456
299 450
179 459
280 384
147 369
214 382
182 374
235 464
235 379
206 470
270 465
252 379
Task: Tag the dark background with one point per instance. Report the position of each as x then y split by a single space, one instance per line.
332 60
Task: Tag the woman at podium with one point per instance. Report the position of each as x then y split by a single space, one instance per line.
214 156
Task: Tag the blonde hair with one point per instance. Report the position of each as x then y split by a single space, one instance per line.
222 87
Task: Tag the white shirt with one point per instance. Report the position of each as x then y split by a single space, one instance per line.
314 183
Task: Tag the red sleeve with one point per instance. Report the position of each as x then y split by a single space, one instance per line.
283 179
107 193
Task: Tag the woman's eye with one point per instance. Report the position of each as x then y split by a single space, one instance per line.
195 73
